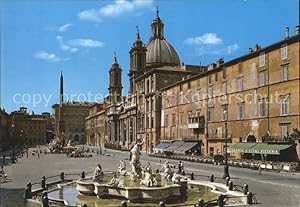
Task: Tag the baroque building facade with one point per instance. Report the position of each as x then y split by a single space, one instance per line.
253 98
153 66
172 101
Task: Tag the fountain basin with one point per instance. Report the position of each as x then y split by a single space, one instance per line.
136 194
85 187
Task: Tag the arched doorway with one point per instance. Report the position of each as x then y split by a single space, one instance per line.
76 138
251 138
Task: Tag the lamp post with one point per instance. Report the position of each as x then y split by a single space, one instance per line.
226 170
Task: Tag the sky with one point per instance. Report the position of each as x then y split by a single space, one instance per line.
42 38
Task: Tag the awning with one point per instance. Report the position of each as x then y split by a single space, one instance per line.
258 148
175 145
186 147
270 149
242 147
163 145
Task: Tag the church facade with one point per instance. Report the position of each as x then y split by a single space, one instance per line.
138 116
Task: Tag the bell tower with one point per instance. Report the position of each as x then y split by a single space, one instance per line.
137 60
115 82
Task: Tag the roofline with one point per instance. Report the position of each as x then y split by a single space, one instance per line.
169 71
289 40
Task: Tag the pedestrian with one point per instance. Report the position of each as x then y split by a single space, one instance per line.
259 170
38 155
3 160
179 168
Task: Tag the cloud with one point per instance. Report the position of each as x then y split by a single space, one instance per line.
43 55
114 9
216 50
85 43
89 15
65 47
210 44
205 39
64 27
232 48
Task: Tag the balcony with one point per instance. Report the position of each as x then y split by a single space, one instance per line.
196 122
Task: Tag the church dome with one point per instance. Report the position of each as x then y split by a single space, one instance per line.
159 51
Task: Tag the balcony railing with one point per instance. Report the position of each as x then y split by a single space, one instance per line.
196 122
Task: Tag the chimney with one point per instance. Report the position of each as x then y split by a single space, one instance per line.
220 62
257 47
297 30
250 50
287 31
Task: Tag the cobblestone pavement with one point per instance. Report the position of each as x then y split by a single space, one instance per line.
271 189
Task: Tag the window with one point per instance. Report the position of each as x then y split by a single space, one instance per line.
225 113
240 84
224 73
284 73
284 52
284 131
173 120
262 59
198 113
180 87
181 118
197 95
166 120
148 86
152 104
189 116
263 108
262 78
216 76
210 114
240 111
147 122
152 84
224 88
152 123
180 101
284 106
210 91
189 85
209 78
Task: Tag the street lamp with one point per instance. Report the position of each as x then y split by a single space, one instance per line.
226 170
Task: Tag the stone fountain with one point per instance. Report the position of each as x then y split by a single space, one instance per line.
144 185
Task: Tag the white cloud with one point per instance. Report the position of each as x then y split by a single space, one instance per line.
65 47
64 27
232 48
216 50
114 9
85 43
211 44
205 39
43 55
122 6
90 15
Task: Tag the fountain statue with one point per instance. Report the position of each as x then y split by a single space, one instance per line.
98 174
167 171
148 177
116 182
136 169
122 168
